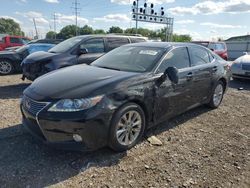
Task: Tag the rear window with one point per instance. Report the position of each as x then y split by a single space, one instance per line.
116 42
217 46
137 40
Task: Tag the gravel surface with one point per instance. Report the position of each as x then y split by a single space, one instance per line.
201 148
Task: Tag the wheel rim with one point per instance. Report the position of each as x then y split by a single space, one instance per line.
218 94
129 128
5 67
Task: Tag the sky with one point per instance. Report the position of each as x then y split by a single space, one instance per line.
202 19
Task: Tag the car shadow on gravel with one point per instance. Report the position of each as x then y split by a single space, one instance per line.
25 162
12 91
241 84
178 120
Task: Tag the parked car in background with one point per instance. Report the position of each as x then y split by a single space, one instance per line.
115 99
219 48
12 41
47 41
77 50
10 61
241 67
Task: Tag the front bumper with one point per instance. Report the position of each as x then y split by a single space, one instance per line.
31 71
241 76
238 72
57 130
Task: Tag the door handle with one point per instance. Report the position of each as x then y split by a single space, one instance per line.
214 69
189 76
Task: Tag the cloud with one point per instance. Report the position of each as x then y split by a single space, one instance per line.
36 15
185 21
193 34
221 26
9 17
213 7
52 1
129 2
70 19
113 18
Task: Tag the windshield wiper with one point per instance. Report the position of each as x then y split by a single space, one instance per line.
109 68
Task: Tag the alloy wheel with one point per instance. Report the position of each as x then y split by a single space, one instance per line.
129 128
218 95
5 67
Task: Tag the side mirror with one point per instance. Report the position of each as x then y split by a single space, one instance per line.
83 51
245 53
172 73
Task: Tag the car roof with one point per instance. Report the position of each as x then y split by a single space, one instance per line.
41 44
108 35
162 44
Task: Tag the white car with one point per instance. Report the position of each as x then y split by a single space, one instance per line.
241 67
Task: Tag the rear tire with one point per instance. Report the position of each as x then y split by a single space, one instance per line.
6 67
217 96
127 127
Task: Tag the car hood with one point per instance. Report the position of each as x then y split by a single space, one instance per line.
7 52
38 56
77 81
243 59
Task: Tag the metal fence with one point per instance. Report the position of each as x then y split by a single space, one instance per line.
235 49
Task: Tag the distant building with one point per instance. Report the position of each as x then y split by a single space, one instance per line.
239 38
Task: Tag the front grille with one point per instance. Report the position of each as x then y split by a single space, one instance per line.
246 67
33 106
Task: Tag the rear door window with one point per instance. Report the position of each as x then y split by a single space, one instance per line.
14 40
199 56
115 42
94 45
178 58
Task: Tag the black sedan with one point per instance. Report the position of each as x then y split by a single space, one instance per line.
115 99
10 60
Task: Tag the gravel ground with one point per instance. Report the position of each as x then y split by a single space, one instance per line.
201 148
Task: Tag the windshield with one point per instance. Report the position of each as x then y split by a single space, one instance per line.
131 59
65 45
25 40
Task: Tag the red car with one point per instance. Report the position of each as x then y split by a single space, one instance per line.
219 48
12 41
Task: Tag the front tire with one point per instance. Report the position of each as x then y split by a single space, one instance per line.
6 67
217 96
127 127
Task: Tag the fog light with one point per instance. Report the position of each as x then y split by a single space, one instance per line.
77 137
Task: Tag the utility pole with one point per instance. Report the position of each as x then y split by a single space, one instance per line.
76 12
137 10
34 21
55 19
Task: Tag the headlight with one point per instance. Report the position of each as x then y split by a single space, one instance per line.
74 105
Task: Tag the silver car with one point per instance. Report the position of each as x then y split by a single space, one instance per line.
241 67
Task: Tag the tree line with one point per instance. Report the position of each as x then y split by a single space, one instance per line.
9 26
70 31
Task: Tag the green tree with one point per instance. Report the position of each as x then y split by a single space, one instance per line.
51 35
181 38
99 31
86 30
9 26
68 32
115 29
